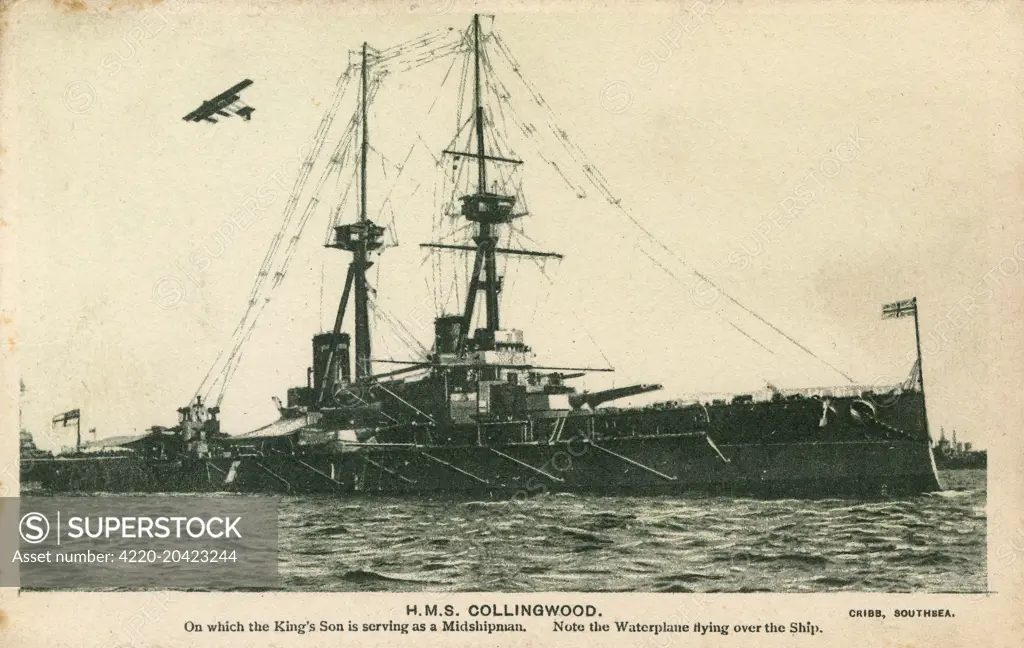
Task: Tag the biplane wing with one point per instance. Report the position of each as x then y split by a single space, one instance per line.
222 104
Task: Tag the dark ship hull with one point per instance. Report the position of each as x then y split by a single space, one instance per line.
780 448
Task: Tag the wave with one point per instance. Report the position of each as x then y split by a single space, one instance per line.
664 544
834 581
583 535
950 494
364 576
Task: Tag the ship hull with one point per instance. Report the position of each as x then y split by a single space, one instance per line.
798 448
621 467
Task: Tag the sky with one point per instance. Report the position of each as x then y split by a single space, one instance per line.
813 165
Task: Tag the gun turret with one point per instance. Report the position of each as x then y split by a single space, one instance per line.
593 399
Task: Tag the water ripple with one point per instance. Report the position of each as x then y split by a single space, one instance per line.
934 543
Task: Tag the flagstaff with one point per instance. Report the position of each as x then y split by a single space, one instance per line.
906 308
920 368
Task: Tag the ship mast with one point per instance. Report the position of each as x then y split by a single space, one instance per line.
486 239
360 238
481 184
489 210
361 262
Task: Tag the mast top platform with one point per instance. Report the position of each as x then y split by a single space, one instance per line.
488 208
352 236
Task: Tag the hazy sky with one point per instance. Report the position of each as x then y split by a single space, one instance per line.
885 133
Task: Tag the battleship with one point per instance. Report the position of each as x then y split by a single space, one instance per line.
478 413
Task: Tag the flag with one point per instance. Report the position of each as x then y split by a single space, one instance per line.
903 308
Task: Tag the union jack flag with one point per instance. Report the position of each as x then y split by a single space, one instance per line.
903 308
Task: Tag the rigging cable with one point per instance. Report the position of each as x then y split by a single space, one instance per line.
319 137
423 50
334 163
600 183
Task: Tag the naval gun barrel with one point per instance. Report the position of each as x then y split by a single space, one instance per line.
593 399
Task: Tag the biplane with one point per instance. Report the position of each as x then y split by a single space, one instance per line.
221 104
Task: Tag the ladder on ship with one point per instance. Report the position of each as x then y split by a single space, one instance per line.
559 427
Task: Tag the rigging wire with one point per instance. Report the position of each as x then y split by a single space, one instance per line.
408 56
319 137
599 182
507 177
334 163
412 54
754 340
401 331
